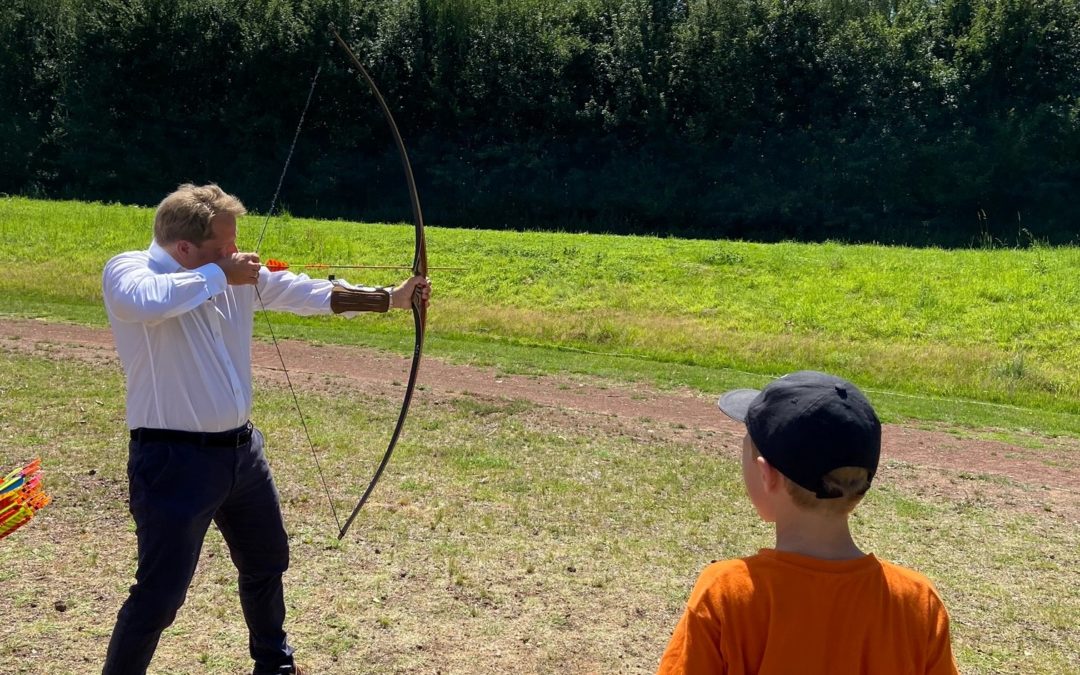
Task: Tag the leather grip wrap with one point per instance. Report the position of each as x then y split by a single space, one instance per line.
359 300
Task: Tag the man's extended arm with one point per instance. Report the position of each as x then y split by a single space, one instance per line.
299 294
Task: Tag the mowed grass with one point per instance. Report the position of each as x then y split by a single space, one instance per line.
504 538
978 338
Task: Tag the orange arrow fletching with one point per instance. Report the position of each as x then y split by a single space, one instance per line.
275 265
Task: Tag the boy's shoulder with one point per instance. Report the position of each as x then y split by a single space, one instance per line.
738 577
725 579
730 570
906 581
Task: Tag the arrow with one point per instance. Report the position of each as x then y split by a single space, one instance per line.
21 496
280 266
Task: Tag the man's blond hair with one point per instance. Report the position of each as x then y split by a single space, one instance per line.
185 214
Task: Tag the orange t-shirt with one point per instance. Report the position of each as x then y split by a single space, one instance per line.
782 613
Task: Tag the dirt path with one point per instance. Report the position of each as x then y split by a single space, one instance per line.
644 410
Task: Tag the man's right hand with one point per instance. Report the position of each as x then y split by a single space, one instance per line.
240 268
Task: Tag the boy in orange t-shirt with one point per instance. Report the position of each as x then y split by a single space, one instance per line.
815 604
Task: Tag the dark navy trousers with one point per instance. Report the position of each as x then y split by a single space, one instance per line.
177 487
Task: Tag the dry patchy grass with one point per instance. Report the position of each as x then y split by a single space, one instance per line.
504 538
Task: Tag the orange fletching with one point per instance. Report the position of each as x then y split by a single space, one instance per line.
276 265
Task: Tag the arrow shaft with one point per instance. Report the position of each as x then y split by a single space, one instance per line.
325 266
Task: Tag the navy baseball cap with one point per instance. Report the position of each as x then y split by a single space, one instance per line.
807 424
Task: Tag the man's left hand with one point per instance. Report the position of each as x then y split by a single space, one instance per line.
401 297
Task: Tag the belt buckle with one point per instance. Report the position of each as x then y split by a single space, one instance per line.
244 437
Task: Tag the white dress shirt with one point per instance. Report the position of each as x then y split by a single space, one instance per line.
184 336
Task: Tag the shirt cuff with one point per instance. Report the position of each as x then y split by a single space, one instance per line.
215 278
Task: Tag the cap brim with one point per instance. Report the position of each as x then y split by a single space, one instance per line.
736 402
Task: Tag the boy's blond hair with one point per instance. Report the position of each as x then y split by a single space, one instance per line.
185 214
846 487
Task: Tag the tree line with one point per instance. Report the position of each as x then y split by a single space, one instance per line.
912 121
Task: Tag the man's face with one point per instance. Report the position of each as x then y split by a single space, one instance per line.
221 243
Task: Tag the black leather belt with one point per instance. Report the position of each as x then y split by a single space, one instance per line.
233 438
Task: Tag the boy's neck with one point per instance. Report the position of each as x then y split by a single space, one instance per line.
817 536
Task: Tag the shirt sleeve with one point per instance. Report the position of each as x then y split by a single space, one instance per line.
135 293
940 659
295 293
694 648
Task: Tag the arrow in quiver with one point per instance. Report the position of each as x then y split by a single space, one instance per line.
21 496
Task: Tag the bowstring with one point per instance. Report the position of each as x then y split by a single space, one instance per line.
288 159
266 314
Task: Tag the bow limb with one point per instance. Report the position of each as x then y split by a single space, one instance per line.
419 268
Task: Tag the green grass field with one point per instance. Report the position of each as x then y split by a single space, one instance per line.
983 338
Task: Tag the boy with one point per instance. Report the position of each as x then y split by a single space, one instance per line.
815 603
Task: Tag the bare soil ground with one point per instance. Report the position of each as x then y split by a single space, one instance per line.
1043 479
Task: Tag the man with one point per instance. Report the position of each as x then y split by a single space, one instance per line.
182 315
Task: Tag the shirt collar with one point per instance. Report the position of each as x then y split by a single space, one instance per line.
163 259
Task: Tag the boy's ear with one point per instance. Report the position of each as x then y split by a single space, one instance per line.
771 479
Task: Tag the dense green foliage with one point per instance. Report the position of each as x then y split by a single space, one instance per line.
945 121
